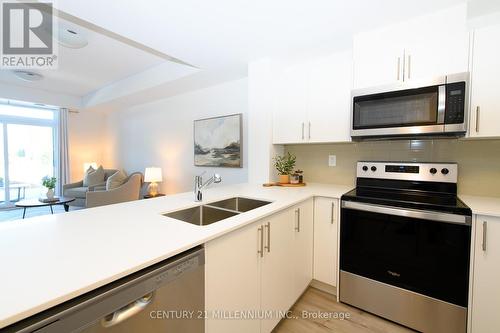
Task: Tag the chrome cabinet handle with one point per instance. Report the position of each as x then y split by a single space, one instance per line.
309 131
409 66
297 212
485 230
478 113
303 136
127 311
261 247
268 247
399 68
333 213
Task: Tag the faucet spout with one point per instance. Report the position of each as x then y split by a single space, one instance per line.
199 185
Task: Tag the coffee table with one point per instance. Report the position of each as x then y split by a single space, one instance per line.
29 203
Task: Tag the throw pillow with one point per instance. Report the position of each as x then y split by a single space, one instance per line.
86 176
96 177
115 180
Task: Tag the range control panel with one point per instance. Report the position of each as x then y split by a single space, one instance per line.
431 172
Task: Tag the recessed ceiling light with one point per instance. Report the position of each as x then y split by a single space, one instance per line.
28 76
70 38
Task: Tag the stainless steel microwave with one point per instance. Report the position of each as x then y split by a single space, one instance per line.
437 107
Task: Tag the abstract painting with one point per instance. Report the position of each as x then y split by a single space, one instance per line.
217 142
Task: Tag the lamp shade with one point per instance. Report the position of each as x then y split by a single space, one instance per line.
152 175
87 165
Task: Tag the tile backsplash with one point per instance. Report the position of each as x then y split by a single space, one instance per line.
478 160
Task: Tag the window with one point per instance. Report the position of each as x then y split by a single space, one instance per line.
28 150
26 112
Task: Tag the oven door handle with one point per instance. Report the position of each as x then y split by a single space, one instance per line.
411 213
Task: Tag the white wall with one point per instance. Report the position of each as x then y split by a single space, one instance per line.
161 134
86 140
261 103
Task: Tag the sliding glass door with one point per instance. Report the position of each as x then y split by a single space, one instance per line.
3 181
27 151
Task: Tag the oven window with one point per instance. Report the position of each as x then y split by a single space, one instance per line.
417 107
430 258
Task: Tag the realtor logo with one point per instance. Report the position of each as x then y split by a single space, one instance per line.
27 35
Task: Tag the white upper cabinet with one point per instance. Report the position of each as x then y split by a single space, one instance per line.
378 58
313 101
421 48
329 102
437 44
289 117
485 104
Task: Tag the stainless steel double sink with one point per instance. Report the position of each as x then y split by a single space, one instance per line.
216 211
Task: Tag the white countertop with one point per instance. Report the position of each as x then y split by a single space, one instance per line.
489 206
47 260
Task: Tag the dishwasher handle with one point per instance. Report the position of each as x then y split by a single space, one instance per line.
127 311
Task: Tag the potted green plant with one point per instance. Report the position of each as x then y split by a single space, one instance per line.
284 165
50 184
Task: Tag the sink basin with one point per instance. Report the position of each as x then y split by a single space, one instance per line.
239 204
201 215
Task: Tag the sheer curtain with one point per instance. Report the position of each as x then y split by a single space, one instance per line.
63 167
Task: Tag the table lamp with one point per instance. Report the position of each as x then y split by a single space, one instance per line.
153 176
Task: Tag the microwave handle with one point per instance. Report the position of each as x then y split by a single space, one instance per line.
441 104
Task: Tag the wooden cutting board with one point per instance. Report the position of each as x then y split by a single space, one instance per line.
283 185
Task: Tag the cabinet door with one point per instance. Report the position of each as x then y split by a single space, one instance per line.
378 58
277 267
303 247
233 279
436 44
325 240
486 289
329 101
289 116
485 104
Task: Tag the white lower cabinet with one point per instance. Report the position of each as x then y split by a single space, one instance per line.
277 267
256 268
486 286
303 246
325 240
232 279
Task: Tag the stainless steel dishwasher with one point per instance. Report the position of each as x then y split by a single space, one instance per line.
166 297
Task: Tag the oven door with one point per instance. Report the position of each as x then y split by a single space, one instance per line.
424 252
405 112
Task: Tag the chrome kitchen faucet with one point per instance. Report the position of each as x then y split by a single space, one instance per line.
199 185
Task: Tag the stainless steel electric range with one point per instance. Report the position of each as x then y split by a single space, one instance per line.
405 245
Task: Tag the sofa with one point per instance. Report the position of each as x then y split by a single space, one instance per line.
130 190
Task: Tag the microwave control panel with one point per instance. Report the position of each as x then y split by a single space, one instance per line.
455 103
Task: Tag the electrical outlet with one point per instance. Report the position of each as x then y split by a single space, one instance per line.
332 160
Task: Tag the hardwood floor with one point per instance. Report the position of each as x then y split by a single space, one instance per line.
315 301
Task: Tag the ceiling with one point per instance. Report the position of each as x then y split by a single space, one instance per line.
213 34
81 71
131 43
